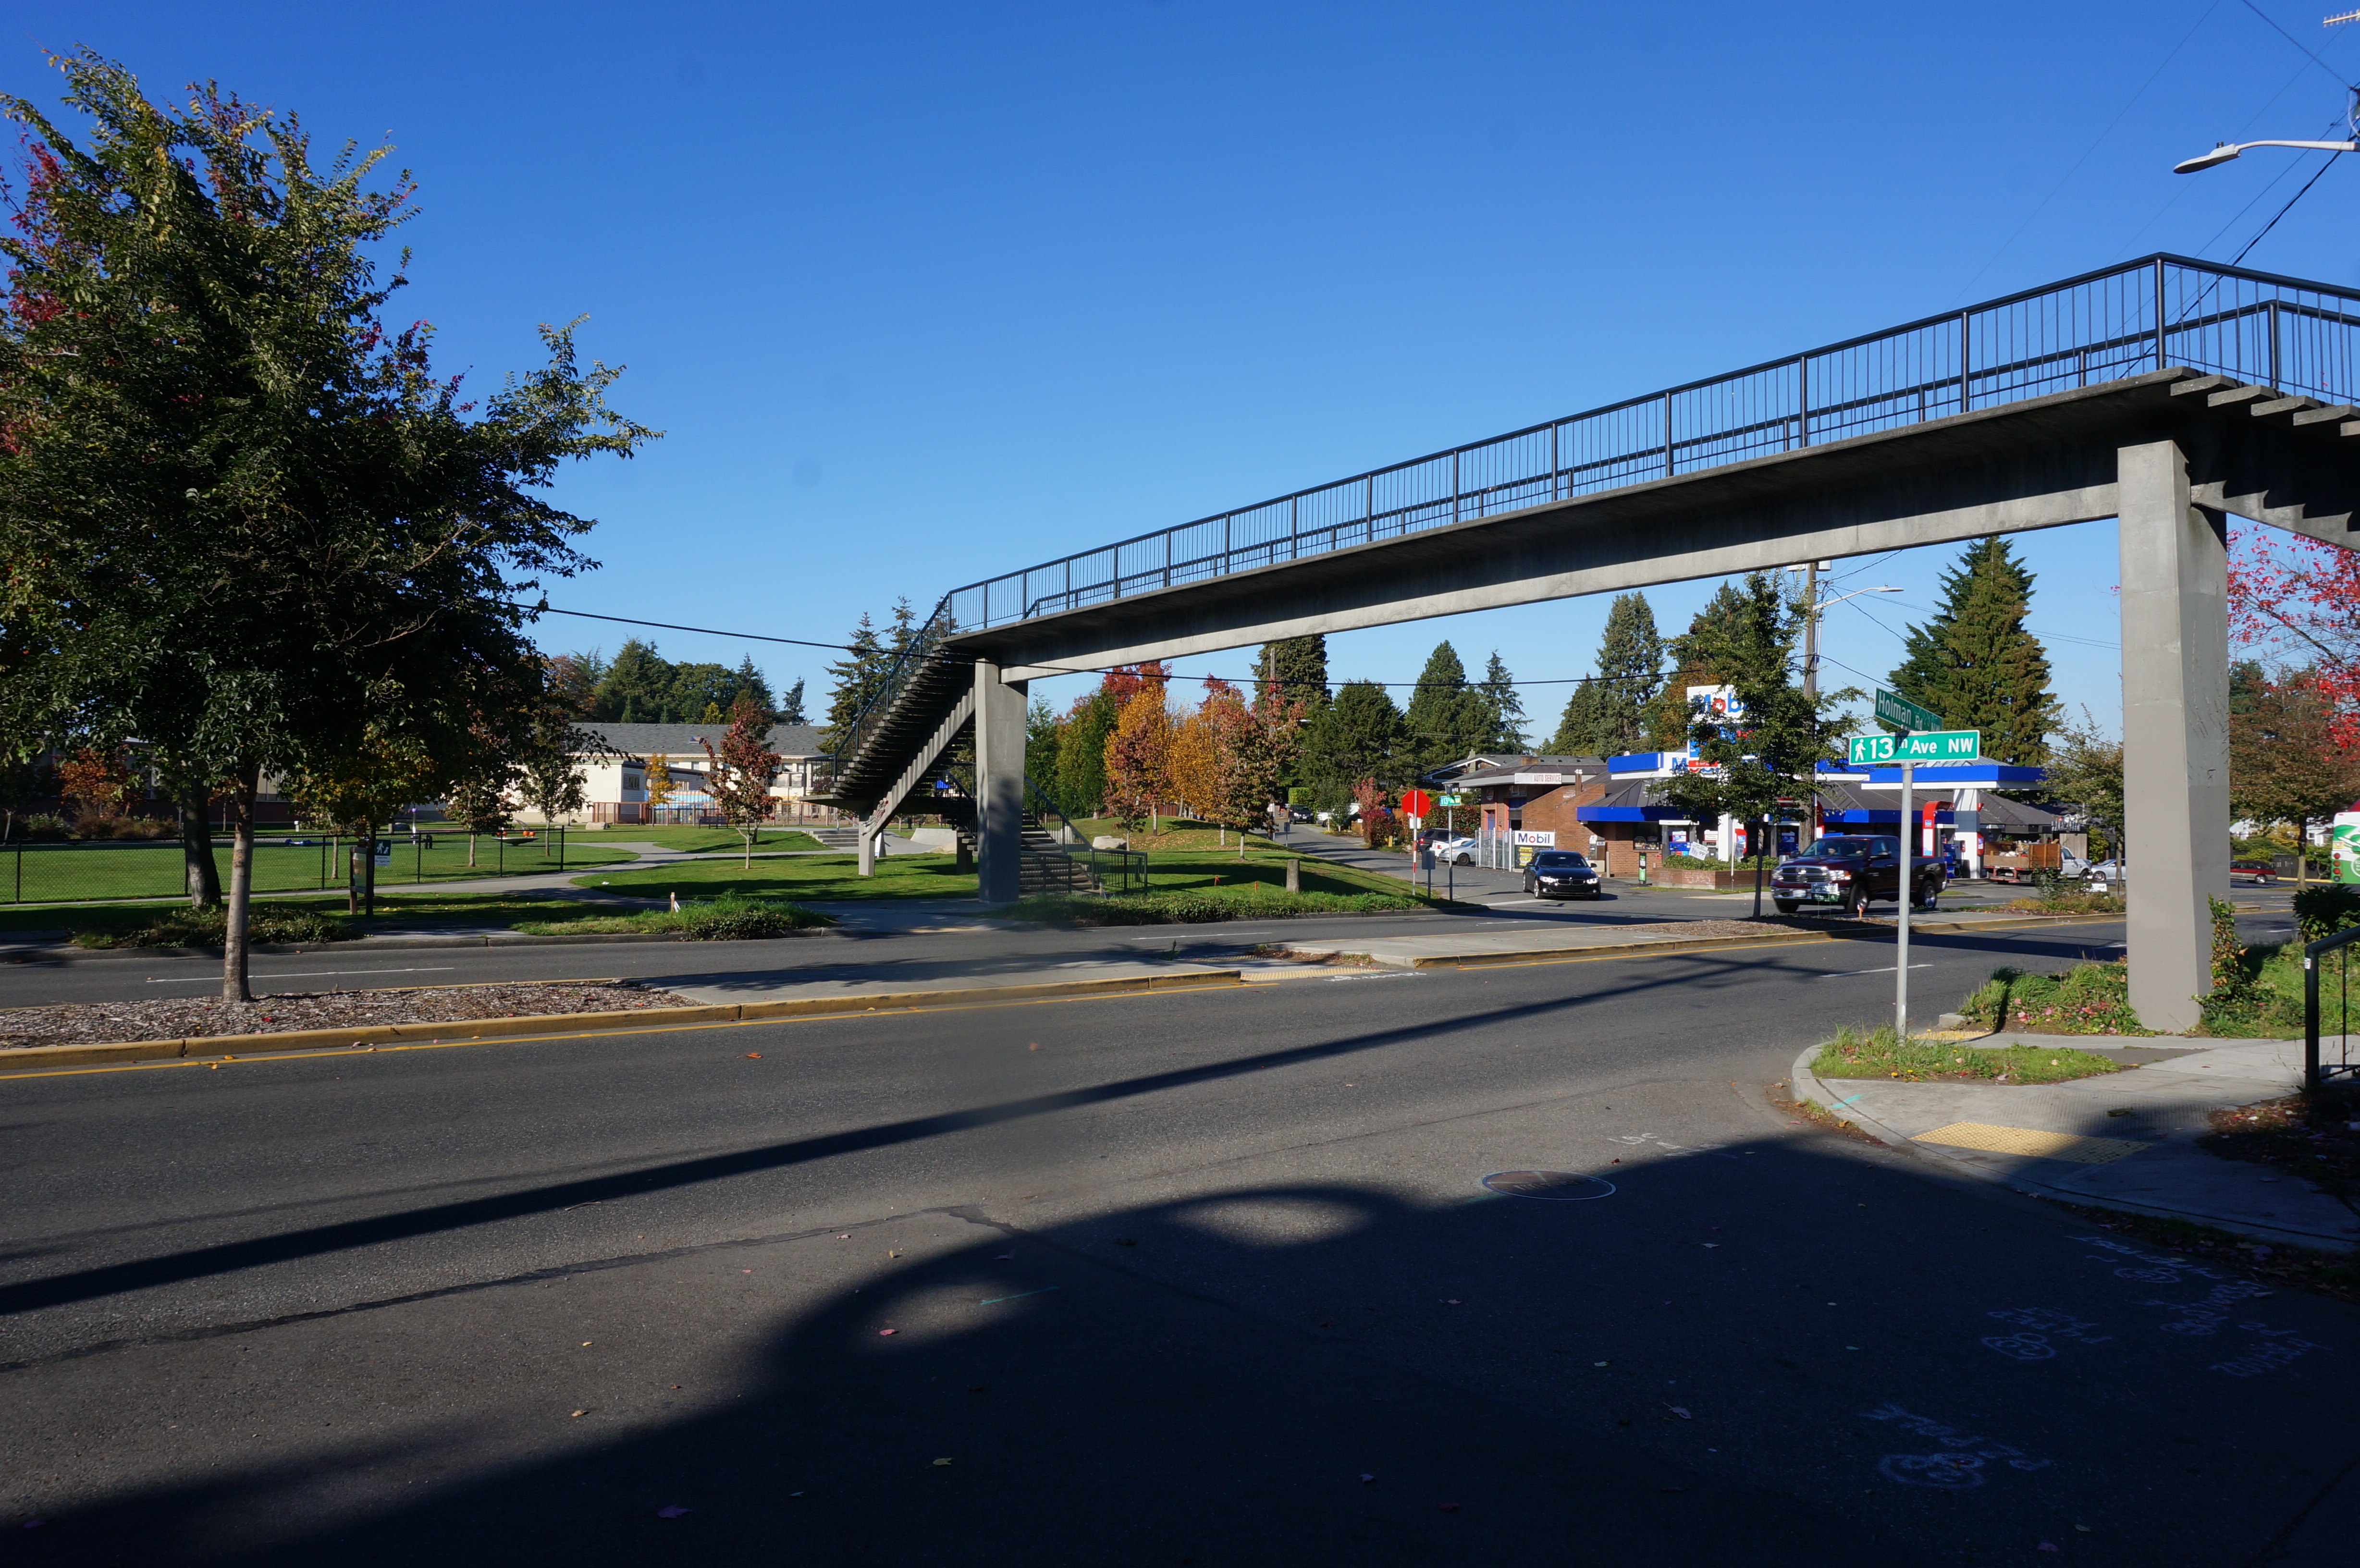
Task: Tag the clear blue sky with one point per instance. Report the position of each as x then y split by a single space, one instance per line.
922 293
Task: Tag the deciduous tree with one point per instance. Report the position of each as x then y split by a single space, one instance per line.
241 518
740 774
2287 761
1138 757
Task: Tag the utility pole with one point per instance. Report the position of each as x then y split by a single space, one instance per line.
1811 629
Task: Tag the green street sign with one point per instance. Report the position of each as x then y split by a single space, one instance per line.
1445 799
1894 709
1942 745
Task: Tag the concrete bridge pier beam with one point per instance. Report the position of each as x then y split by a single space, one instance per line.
2175 730
999 784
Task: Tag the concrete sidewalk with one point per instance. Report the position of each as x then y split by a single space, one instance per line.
2125 1140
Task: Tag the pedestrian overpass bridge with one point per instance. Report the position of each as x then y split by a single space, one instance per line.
2168 393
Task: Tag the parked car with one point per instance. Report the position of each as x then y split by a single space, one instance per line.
1562 874
2107 872
2259 870
1850 871
1454 850
1298 813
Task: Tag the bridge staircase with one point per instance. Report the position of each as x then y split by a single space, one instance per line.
898 756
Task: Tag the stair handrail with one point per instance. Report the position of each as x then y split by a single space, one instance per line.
1129 860
924 646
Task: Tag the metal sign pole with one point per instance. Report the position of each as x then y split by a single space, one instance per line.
1908 886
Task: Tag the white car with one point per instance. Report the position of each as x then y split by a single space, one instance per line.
2106 871
1454 850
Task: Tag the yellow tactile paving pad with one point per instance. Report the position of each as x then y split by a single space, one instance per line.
2032 1140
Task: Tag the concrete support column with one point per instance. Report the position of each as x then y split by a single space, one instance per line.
2175 732
998 783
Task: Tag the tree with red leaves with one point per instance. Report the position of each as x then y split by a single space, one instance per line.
2298 600
240 518
740 774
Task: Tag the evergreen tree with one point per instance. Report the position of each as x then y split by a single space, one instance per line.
1446 719
791 711
1357 735
1975 663
637 687
858 677
1293 669
750 684
1502 707
1608 717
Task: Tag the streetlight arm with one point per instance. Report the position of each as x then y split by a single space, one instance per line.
2228 150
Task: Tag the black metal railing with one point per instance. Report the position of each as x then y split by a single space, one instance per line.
2161 310
2316 1072
1113 870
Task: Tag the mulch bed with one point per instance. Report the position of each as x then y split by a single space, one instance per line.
175 1018
2311 1137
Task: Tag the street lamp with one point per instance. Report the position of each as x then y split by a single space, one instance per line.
2224 152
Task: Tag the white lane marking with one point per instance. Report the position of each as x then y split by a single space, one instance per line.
1886 970
309 973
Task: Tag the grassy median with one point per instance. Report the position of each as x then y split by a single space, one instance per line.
1881 1053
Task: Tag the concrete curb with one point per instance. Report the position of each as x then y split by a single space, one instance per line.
1603 950
1808 1085
38 1057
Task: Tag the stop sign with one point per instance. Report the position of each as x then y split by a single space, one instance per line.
1416 803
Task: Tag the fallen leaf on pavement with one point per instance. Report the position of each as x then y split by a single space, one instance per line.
672 1511
1679 1411
940 1462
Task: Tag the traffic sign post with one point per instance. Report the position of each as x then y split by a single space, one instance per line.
1908 889
1905 714
1940 746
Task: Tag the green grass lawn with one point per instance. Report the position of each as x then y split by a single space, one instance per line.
822 877
818 877
1880 1053
693 841
103 924
43 873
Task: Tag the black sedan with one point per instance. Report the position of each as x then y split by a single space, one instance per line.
1562 874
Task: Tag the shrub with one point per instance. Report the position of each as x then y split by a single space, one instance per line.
1193 908
204 928
40 830
99 829
2089 998
2324 911
729 916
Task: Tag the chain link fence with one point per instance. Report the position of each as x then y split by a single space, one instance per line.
283 862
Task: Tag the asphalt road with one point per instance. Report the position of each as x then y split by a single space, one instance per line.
1206 1277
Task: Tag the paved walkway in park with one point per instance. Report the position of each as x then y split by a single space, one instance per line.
2120 1140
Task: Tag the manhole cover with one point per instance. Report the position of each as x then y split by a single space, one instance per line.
1561 1186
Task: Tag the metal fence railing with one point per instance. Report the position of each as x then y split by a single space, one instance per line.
77 873
2317 1070
2144 315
